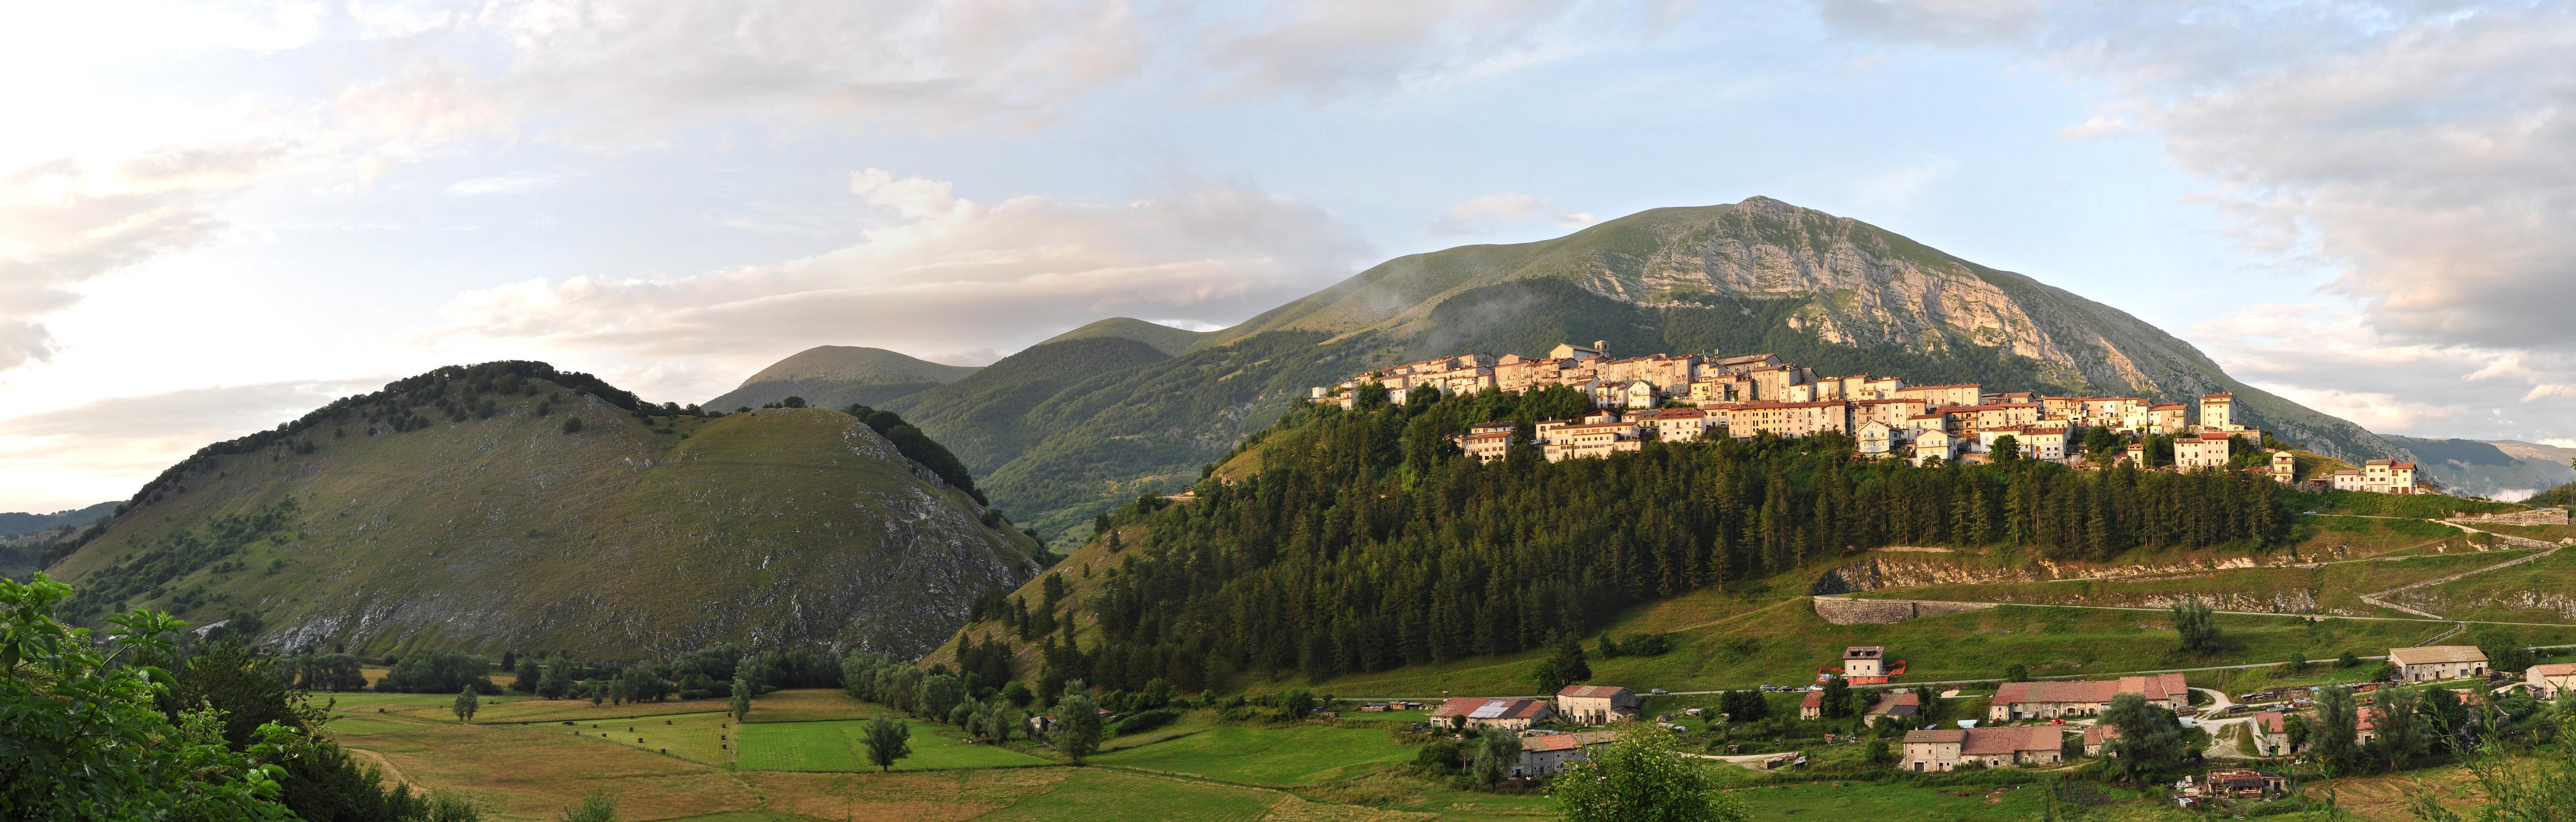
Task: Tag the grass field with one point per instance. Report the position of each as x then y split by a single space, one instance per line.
805 705
530 772
1268 756
507 708
2540 591
1109 796
1869 800
1784 644
833 745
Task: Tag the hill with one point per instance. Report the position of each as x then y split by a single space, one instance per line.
1831 293
1163 338
509 506
2503 469
838 376
14 523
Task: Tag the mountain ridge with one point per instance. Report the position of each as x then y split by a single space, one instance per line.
838 376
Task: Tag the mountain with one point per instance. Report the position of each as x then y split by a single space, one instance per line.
2500 469
838 376
13 523
510 506
1164 338
1832 293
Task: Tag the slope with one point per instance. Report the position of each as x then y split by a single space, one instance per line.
837 376
1163 338
464 509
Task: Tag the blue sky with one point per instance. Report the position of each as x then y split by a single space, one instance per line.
220 215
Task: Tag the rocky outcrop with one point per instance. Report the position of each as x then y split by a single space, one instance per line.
1915 570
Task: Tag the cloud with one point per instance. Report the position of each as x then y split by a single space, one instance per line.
946 273
1487 213
102 449
519 183
1902 186
2329 357
64 222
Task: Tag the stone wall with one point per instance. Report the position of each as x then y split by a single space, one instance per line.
2536 516
1841 611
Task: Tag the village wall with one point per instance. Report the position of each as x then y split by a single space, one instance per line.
1841 611
2537 516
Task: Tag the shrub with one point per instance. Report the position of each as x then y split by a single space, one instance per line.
572 425
1143 721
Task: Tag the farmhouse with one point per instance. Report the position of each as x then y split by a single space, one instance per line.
1942 750
1480 712
1596 704
2430 662
2551 679
2099 736
2271 734
1864 660
2051 700
1812 707
1548 754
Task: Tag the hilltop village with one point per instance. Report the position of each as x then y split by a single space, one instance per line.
1684 398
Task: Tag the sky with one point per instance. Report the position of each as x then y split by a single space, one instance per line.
216 216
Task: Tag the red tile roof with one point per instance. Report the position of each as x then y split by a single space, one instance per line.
2154 688
1994 741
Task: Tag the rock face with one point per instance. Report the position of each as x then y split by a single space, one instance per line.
500 530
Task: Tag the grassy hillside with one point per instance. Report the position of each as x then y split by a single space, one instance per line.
461 510
1164 338
838 376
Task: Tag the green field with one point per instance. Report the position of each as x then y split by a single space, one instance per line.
1108 796
1268 756
1871 800
833 745
1785 643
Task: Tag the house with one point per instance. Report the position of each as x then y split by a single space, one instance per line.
1895 703
2207 450
2135 455
1734 365
2430 662
2216 411
1549 754
2099 736
1942 750
1486 441
1595 704
2164 418
1788 419
2551 679
2272 733
1570 351
1876 438
1676 424
2029 441
2051 700
2388 477
1942 396
2284 468
1481 712
1933 444
2246 783
1600 434
1864 660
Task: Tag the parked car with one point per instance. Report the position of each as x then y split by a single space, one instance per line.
1659 692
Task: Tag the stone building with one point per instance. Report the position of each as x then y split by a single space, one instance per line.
1942 750
2426 663
1595 704
1481 712
2016 701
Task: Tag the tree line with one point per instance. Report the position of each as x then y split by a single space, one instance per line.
1367 541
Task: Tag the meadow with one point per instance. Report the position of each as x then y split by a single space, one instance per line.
1268 756
833 745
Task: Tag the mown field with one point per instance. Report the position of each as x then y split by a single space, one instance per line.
833 745
1267 756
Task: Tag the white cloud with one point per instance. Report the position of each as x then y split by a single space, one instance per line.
948 274
519 183
2421 153
1493 211
2327 356
63 223
105 448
